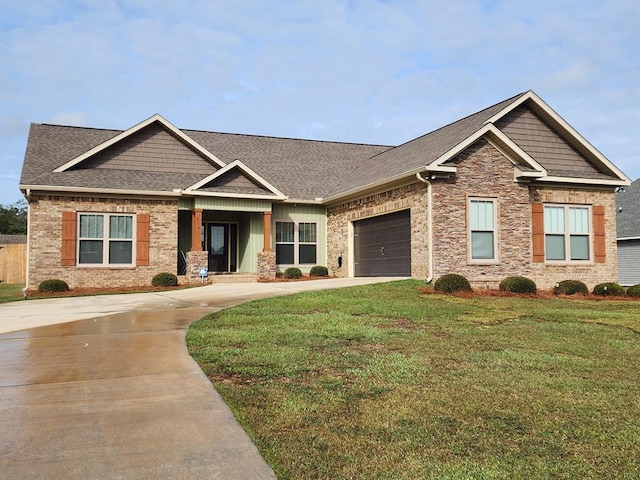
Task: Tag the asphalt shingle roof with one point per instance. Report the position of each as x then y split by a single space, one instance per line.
303 170
628 208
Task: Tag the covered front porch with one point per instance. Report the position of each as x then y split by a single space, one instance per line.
225 236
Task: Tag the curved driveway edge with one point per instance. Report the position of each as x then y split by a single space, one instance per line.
116 394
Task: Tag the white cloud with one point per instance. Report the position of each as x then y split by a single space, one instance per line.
379 72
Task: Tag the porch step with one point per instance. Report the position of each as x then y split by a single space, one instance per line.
233 278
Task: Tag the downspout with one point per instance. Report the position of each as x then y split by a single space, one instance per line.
27 195
429 224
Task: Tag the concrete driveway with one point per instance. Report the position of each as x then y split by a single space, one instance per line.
103 387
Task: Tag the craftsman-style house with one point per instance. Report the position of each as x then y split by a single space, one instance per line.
510 190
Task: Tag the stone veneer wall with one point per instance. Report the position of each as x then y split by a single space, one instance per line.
412 197
482 171
45 239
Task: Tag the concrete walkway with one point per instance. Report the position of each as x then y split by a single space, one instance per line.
103 387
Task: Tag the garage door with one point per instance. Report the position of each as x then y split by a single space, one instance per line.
382 245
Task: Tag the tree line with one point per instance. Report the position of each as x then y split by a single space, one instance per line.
13 218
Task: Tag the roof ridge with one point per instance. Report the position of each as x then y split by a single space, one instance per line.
506 101
275 137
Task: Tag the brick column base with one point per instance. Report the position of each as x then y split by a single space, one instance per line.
267 264
196 261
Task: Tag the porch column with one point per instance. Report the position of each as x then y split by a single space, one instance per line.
196 230
266 217
267 257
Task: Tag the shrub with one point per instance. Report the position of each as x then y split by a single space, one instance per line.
452 282
609 288
518 284
164 279
571 287
633 291
319 271
292 272
53 285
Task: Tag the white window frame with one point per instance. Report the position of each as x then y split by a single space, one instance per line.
472 229
296 241
106 240
567 233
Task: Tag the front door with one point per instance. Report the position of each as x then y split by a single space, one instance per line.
222 243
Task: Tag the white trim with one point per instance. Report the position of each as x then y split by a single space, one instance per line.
568 129
110 191
491 131
566 234
621 239
296 242
136 128
586 181
494 230
193 189
106 240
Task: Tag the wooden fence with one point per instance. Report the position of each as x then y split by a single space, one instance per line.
13 263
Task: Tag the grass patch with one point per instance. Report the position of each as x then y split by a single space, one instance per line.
385 382
10 292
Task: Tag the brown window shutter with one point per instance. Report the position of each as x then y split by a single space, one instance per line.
537 229
142 239
599 244
68 248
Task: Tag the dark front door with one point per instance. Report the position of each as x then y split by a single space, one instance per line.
218 247
222 247
382 245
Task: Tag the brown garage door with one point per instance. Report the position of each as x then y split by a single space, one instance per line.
382 245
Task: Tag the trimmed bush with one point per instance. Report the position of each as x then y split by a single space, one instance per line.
634 291
319 271
572 287
609 288
164 279
518 284
292 272
452 282
53 285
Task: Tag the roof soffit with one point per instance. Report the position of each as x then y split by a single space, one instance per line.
177 133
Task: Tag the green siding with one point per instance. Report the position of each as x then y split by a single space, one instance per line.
186 204
305 213
232 204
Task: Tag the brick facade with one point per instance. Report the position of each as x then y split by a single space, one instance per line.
339 217
482 171
45 238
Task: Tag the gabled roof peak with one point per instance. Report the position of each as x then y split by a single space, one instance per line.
156 118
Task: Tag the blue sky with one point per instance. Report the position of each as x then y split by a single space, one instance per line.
380 72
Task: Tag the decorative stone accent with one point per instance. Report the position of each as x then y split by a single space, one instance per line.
196 261
267 264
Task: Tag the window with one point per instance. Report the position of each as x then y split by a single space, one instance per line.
482 222
105 239
566 233
296 243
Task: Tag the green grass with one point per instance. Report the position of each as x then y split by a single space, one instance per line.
385 382
10 292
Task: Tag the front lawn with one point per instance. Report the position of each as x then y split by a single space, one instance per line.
386 382
10 292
